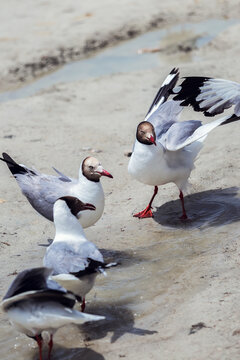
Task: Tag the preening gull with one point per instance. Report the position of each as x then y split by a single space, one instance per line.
34 304
75 260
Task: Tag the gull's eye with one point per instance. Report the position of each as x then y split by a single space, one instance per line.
142 132
90 167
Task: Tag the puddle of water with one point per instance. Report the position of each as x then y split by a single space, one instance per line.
138 287
127 293
124 57
139 284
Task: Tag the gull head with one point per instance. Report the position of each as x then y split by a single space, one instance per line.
93 170
74 204
146 133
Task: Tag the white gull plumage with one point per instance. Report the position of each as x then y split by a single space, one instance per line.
75 260
43 190
165 149
34 304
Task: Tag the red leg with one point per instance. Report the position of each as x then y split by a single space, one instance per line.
50 346
147 212
39 342
184 215
83 305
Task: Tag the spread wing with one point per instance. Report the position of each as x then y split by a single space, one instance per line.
164 92
167 114
208 95
162 113
185 133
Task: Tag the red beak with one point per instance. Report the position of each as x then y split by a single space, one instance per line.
87 206
152 140
106 173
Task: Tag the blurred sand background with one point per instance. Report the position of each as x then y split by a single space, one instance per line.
173 275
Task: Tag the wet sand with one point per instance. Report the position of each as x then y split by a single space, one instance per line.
173 275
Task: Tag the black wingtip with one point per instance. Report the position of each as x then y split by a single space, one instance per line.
92 267
174 71
190 88
7 158
36 281
29 280
165 90
231 119
14 167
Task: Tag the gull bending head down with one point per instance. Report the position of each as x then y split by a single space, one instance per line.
35 304
75 260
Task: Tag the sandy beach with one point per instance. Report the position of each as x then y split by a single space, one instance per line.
175 295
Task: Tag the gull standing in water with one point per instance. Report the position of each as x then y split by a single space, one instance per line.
34 304
43 190
165 149
75 260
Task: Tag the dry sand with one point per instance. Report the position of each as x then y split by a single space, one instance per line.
173 275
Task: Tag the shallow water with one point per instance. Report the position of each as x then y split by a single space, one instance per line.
139 285
124 57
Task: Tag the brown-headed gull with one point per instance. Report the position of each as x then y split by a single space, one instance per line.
43 190
35 304
75 260
165 149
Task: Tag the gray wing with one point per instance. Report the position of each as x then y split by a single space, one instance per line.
179 133
208 95
167 114
43 190
62 176
185 133
63 259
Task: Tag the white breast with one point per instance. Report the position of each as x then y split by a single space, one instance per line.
92 193
151 165
79 286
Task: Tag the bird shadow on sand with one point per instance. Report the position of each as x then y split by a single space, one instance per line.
119 321
121 257
204 209
81 353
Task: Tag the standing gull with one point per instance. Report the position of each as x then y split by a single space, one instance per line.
34 304
75 260
165 149
43 190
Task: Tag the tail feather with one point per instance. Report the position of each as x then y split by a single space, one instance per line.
80 317
93 267
14 167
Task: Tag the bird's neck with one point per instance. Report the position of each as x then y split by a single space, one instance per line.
67 224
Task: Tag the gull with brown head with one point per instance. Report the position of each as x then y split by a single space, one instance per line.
43 190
